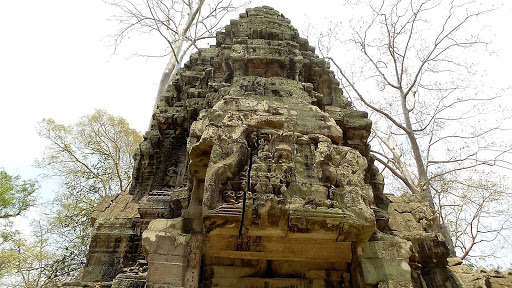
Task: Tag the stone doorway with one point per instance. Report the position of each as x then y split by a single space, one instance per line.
257 273
275 262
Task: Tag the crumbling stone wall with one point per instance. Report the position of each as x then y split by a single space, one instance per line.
256 172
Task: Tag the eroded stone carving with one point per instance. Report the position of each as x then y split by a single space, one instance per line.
256 172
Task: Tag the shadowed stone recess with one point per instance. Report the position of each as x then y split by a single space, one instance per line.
256 172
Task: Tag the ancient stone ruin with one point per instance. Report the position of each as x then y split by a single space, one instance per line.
256 172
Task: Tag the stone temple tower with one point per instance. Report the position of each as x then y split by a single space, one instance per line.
256 172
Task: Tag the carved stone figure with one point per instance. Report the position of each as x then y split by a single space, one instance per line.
229 197
171 179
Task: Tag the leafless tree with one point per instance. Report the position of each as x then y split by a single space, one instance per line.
475 206
182 24
431 118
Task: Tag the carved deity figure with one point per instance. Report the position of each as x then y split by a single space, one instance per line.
171 178
231 197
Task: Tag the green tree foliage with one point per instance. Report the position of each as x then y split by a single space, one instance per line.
16 195
6 237
92 158
30 261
